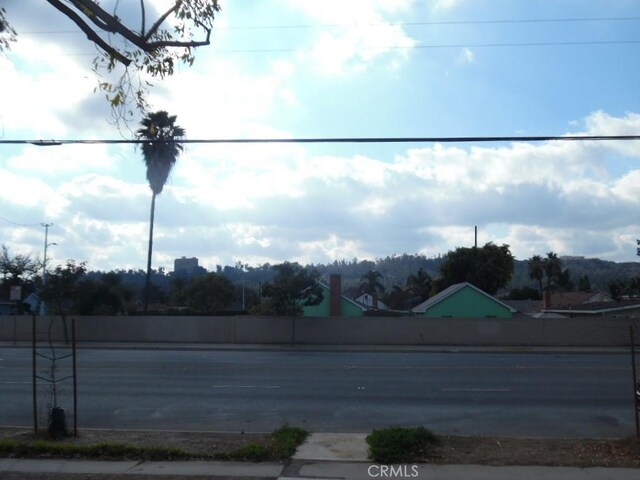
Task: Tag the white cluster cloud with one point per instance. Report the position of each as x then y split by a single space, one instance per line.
356 33
289 205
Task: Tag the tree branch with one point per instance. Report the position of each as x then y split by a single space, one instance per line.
142 11
91 35
111 23
162 18
176 43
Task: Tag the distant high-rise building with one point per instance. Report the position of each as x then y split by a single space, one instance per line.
188 265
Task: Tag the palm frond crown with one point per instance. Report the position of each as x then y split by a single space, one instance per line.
161 150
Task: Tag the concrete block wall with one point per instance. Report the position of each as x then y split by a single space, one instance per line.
586 331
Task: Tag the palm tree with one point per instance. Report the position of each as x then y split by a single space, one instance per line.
160 152
552 269
420 284
536 266
370 283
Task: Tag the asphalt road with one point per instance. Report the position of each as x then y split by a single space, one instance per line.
560 395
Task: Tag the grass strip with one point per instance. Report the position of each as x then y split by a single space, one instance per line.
46 448
284 442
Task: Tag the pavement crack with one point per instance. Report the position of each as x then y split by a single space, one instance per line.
293 468
140 462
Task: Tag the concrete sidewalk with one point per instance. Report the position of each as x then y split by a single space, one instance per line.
127 469
305 470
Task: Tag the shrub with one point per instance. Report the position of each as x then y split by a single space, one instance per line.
252 453
286 440
400 445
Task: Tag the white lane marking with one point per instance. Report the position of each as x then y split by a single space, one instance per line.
22 383
245 386
475 389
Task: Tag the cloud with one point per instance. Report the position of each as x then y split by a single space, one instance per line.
446 4
425 200
357 33
466 57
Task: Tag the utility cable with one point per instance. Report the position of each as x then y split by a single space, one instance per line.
470 139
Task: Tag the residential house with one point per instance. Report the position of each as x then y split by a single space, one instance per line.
575 304
371 301
567 299
334 303
463 300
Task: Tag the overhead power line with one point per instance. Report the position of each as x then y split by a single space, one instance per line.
20 224
470 139
422 46
395 24
418 46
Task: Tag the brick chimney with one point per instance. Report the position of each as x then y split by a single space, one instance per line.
335 295
546 300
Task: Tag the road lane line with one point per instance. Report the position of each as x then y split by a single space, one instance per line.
475 389
245 386
23 383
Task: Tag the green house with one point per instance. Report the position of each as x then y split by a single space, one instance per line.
463 300
334 303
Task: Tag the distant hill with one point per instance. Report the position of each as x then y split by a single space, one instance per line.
396 268
600 272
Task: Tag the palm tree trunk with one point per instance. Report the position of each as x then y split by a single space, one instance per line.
147 282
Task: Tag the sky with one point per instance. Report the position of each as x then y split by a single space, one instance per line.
362 68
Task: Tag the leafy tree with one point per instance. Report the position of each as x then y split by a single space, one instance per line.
160 152
619 288
564 281
17 271
616 288
61 289
399 298
151 49
105 296
584 284
209 294
633 286
293 288
489 268
178 297
370 282
7 33
524 293
535 267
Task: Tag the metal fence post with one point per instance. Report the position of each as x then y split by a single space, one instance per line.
636 385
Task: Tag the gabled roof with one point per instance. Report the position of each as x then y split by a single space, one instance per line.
566 299
367 300
452 290
595 308
525 306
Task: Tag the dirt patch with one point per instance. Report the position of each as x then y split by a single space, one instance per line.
501 451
